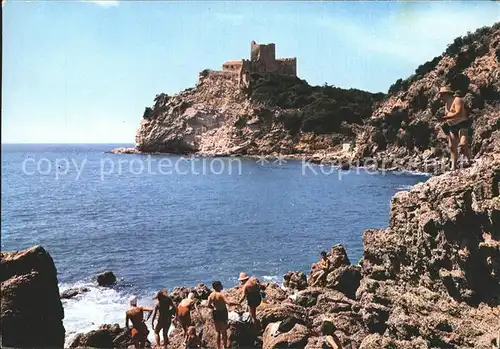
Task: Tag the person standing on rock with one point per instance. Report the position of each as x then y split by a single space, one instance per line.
251 291
139 330
165 309
456 124
218 303
183 315
324 264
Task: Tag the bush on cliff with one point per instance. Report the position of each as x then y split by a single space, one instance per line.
147 113
465 48
318 109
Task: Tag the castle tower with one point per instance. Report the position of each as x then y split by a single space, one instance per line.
262 60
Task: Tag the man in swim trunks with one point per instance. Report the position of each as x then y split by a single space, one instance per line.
456 125
251 291
217 302
324 264
165 309
136 315
184 313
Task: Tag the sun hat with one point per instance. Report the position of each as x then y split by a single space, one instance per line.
243 276
445 89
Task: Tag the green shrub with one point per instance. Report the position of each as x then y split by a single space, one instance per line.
292 121
147 113
322 108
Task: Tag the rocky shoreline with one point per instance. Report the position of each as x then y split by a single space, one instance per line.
408 165
429 280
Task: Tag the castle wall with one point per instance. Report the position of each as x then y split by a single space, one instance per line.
254 51
262 60
222 74
233 66
287 66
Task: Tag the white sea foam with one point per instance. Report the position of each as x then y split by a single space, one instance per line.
87 311
404 187
272 278
413 173
100 305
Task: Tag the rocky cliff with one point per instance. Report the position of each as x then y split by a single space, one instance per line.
284 115
405 125
274 115
31 311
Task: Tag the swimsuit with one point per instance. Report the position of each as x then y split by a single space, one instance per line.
447 129
465 124
140 332
163 323
183 315
220 315
253 298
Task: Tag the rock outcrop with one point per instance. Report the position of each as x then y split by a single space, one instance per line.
429 276
442 236
31 310
106 278
73 292
218 118
404 130
106 336
284 116
429 280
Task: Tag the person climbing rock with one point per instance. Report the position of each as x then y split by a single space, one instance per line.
184 313
135 314
330 339
165 309
251 291
193 338
218 302
321 276
456 124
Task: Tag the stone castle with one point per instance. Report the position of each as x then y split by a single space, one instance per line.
262 60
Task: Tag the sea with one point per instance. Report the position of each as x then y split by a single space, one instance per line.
160 221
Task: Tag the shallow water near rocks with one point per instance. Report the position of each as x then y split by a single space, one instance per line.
190 221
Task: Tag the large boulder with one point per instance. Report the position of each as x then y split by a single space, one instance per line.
31 310
241 331
443 235
73 292
201 292
273 293
295 280
345 279
106 278
307 298
274 313
179 293
106 336
331 301
337 257
275 336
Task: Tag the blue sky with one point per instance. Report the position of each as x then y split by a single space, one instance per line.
83 71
